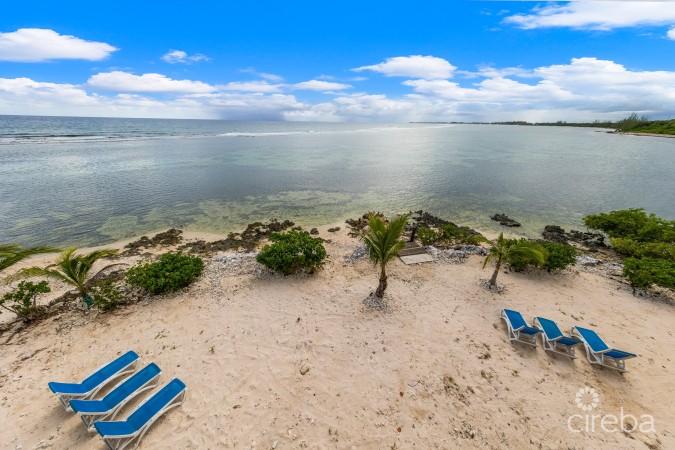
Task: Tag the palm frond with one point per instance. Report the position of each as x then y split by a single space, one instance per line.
526 252
33 272
382 240
11 254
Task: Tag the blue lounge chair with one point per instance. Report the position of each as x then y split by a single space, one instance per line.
600 353
518 329
118 435
108 407
94 382
554 340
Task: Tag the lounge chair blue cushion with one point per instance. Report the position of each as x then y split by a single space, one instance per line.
593 340
117 395
518 323
553 333
568 341
143 414
550 328
619 354
95 379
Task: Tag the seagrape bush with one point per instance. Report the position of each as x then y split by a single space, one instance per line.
634 224
648 242
644 272
172 272
290 252
23 300
558 256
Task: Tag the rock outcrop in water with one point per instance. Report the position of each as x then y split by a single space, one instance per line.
505 220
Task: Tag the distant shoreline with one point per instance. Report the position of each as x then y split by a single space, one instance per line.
643 134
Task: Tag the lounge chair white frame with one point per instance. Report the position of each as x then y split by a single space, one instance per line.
66 398
122 441
552 345
600 358
90 418
515 334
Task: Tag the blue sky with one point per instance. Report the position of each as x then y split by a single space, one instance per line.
339 61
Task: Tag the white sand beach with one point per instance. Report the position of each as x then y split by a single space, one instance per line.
435 370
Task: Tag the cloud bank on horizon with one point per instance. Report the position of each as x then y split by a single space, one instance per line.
395 88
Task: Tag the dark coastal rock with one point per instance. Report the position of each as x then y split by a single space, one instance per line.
471 249
424 219
334 230
313 231
592 241
505 220
356 226
553 233
164 239
247 240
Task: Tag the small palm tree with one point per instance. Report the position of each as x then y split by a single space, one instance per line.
383 244
12 254
506 250
71 269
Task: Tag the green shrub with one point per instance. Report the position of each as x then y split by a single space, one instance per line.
106 295
172 272
461 235
634 224
292 251
644 272
24 300
558 256
657 250
427 236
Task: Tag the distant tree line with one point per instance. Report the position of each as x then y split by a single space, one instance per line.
632 124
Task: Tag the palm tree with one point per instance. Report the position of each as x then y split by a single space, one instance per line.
12 254
383 244
507 250
71 269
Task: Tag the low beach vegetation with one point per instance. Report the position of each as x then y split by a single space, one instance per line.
22 301
71 268
448 235
647 242
291 252
556 256
106 295
172 272
382 240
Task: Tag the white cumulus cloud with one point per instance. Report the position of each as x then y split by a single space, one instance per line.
319 85
251 86
118 81
38 44
584 89
415 66
597 15
28 97
179 56
671 34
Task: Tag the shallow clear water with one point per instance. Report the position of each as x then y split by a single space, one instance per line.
76 181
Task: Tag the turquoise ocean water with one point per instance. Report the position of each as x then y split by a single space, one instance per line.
90 181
